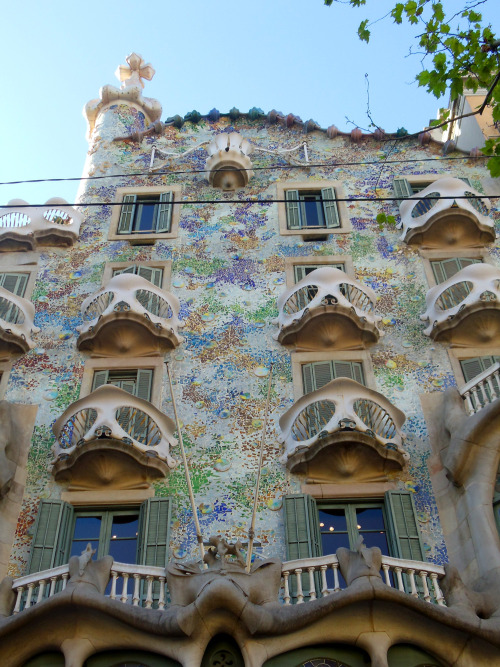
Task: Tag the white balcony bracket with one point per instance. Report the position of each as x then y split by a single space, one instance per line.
328 310
130 315
437 220
464 311
343 432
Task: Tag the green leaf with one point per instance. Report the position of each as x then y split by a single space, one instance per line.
493 165
363 33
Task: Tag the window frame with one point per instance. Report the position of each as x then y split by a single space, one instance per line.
426 180
107 513
429 256
145 238
164 265
30 269
325 260
299 359
456 355
312 186
131 363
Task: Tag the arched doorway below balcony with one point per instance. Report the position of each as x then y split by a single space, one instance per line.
223 651
324 655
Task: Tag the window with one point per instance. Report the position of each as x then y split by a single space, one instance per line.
148 213
306 209
302 270
153 274
111 533
318 373
131 535
319 528
312 209
446 268
137 382
14 282
473 367
404 187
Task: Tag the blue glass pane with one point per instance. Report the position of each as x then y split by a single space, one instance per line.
145 221
313 212
332 541
87 527
123 551
125 526
376 540
370 518
332 518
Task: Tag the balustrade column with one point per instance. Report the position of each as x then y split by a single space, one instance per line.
468 403
19 598
41 588
28 597
114 576
149 594
423 577
411 575
324 585
161 599
300 594
65 578
52 589
136 598
386 569
437 591
398 571
124 597
286 596
336 584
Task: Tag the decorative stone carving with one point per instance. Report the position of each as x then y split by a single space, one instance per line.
24 227
131 76
7 597
111 438
447 222
130 315
465 309
343 432
228 164
16 324
84 570
226 567
328 310
362 562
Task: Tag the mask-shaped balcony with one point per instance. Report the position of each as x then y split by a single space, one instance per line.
464 311
131 315
441 223
16 324
228 164
114 439
26 228
327 310
343 432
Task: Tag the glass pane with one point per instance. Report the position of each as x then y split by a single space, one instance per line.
376 540
125 525
145 220
370 518
332 541
123 551
332 518
80 545
312 210
87 528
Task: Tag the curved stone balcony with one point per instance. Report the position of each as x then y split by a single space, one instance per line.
228 164
130 314
112 438
442 223
26 228
464 311
343 432
16 324
328 310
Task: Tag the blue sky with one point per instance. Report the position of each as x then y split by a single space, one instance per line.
292 55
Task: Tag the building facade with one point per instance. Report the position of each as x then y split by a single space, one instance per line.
328 308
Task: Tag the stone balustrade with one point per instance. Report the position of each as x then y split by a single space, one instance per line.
111 418
16 323
448 212
465 309
328 310
342 413
419 579
132 314
482 390
24 227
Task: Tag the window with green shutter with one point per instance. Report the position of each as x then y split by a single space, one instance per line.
312 209
302 270
404 187
318 373
153 274
146 213
471 368
14 282
137 381
446 268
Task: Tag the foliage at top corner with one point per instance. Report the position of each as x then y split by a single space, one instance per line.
457 52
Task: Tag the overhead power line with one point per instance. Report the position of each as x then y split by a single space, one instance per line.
268 168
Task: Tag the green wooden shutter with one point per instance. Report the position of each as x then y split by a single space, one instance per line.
51 539
473 367
322 373
307 378
127 214
446 268
14 282
303 539
129 269
330 208
404 534
154 532
292 209
402 189
154 276
164 215
467 181
100 378
144 383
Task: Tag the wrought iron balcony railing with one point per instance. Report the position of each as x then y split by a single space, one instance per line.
25 227
112 419
130 313
433 218
341 408
482 390
465 309
16 323
327 309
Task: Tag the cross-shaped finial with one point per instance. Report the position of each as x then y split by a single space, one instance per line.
133 73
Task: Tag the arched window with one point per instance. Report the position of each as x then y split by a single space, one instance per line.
222 651
325 655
